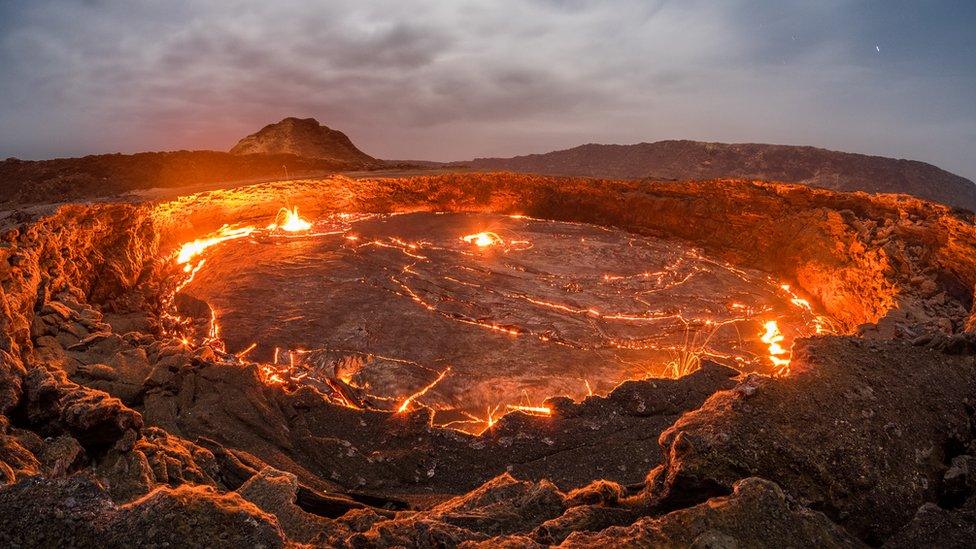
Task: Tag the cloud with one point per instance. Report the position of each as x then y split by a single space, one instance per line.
453 80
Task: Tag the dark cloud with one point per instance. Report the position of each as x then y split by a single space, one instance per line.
453 80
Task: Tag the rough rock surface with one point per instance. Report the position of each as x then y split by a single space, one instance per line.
78 511
113 437
43 181
756 514
933 526
380 451
696 160
302 137
861 431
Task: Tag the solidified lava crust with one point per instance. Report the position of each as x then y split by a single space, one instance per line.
389 302
114 432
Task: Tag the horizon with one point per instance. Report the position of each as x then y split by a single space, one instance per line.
456 82
518 155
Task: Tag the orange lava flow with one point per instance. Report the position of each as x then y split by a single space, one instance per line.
495 413
773 337
489 421
286 220
192 249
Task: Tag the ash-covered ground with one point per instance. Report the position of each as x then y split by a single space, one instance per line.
533 309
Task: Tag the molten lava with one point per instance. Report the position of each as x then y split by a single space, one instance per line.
773 337
289 221
537 410
821 324
192 249
483 240
570 299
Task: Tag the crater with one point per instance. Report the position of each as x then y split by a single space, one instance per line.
216 336
500 310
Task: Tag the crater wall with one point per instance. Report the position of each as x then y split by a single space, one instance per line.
137 427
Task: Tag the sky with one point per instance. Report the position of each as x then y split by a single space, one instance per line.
458 79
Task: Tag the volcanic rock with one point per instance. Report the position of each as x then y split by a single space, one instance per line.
275 492
45 181
933 526
756 514
502 506
867 440
863 437
683 160
16 462
11 374
54 405
44 513
582 518
302 137
331 446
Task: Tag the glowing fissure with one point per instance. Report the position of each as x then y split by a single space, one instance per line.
537 410
406 402
821 324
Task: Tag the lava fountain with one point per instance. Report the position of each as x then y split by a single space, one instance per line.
289 221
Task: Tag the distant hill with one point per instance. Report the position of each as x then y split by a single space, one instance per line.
304 148
291 148
27 181
302 137
697 160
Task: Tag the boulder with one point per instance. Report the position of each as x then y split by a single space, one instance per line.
858 431
77 511
756 514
